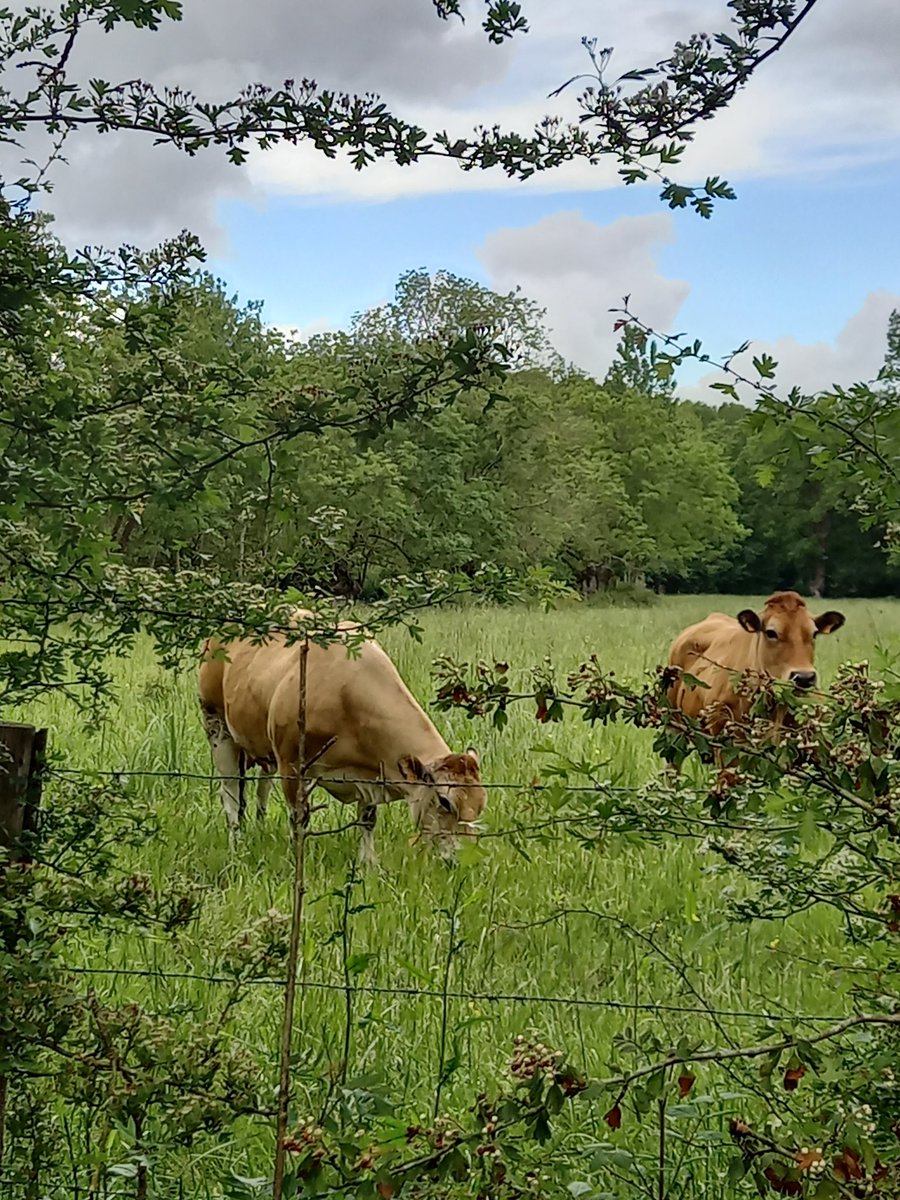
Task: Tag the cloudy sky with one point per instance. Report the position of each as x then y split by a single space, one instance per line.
806 262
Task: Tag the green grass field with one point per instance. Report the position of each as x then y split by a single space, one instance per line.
665 890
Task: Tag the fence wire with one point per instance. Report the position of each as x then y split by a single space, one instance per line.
672 825
513 786
450 994
697 826
517 831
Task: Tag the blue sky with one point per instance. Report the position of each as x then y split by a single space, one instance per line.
806 262
786 258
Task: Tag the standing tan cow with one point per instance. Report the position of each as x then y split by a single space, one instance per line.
776 643
358 703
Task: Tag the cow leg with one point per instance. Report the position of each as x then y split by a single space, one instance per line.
263 787
227 760
368 815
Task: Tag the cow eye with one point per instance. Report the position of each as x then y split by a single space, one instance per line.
771 635
445 804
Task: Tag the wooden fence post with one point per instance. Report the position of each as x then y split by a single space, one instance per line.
21 757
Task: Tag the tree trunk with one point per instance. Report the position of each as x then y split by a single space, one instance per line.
21 752
819 578
593 578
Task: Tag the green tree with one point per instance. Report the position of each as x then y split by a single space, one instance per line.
130 387
890 372
848 438
441 306
803 529
665 462
636 368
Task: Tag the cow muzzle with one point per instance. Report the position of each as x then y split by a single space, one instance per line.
803 679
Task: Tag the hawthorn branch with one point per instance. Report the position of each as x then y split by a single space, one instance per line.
764 391
748 1052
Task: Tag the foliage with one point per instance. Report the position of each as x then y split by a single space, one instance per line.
134 1082
442 306
135 391
808 820
842 445
805 528
645 127
168 456
172 466
171 462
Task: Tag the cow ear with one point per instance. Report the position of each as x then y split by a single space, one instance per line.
749 620
828 622
413 770
472 755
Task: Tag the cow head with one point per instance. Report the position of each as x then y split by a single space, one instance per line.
787 632
445 797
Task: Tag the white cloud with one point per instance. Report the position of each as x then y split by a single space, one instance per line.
121 189
579 270
855 355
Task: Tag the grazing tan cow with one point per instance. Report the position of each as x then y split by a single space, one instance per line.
249 695
776 643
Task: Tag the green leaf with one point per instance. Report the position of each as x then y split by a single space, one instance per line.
416 973
808 828
357 963
606 1154
765 366
471 854
737 1169
827 1189
692 681
728 389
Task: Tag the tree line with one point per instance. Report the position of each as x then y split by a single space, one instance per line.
613 485
172 465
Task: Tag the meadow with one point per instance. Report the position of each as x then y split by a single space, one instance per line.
506 942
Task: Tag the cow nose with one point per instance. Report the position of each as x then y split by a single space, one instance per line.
803 679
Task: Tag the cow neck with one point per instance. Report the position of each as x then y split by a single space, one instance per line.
410 734
399 728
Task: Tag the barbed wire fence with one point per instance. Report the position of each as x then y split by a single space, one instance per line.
307 779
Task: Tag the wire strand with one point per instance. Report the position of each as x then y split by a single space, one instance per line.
438 994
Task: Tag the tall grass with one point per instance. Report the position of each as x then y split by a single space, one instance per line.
500 904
